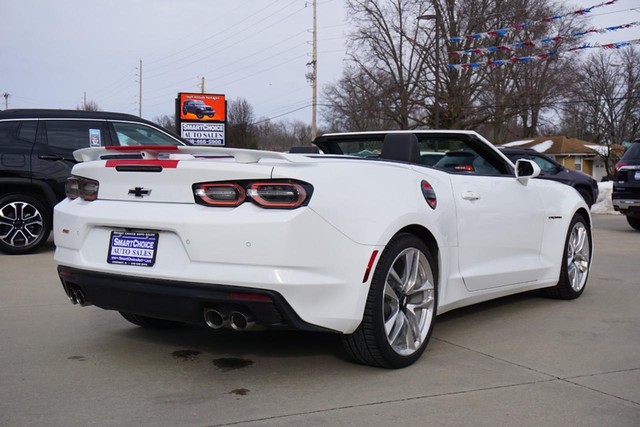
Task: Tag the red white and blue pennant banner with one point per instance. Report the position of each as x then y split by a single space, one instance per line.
539 57
540 42
504 31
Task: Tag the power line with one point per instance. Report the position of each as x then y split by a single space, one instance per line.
234 34
206 73
231 27
281 115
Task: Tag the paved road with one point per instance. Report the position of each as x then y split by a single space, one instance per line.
521 360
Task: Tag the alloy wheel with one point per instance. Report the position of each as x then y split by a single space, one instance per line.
21 224
408 304
578 256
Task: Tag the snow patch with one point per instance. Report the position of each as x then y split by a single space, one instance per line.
603 205
543 146
603 150
517 143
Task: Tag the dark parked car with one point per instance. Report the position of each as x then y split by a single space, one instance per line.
550 169
197 107
36 156
626 185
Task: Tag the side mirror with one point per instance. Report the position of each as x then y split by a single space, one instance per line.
526 169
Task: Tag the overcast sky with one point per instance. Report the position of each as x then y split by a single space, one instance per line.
53 51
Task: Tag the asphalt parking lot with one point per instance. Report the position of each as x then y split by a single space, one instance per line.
522 360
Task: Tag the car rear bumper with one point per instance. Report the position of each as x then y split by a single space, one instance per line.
626 206
179 301
626 201
295 255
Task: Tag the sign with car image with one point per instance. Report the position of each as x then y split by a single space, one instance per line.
202 118
202 107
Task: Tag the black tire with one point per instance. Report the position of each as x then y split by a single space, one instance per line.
576 260
150 322
634 222
371 344
25 224
199 115
586 195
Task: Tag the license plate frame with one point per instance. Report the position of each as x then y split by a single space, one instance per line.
136 248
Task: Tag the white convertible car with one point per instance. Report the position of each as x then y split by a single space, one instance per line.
371 246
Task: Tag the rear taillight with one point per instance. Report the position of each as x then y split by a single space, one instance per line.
278 194
429 194
221 194
617 168
84 188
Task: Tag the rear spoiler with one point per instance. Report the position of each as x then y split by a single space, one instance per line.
179 152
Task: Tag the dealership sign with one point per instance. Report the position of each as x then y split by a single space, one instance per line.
203 133
202 118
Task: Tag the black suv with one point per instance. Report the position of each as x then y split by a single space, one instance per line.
586 185
197 107
626 185
36 157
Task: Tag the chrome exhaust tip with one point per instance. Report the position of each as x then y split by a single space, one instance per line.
80 297
241 321
215 319
71 294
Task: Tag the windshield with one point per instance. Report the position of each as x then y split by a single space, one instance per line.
445 152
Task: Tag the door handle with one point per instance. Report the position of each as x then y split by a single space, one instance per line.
470 195
50 157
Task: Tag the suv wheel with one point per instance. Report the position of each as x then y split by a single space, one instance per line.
634 221
24 224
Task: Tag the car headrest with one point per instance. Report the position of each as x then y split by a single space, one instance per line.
401 146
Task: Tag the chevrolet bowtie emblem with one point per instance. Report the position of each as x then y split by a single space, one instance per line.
139 192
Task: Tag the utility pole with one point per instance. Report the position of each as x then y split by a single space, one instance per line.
314 81
6 100
84 101
140 91
436 91
202 85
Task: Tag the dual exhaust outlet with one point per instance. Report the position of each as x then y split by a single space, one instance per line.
238 320
215 319
76 296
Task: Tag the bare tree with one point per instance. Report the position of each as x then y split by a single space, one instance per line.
354 103
507 101
240 117
88 106
604 104
166 121
387 47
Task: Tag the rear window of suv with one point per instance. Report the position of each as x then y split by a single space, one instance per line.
633 152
